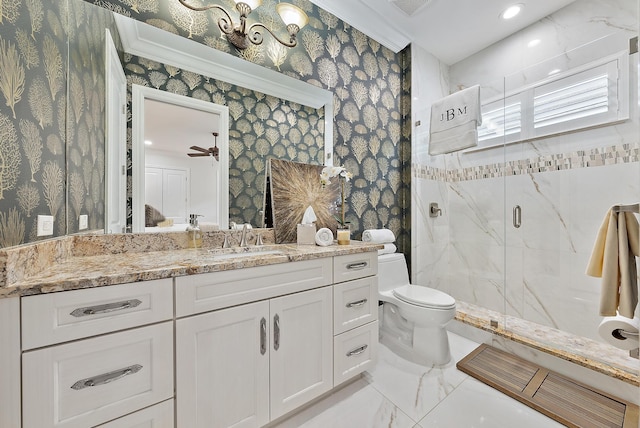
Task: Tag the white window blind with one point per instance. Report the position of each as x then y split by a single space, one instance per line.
498 121
595 94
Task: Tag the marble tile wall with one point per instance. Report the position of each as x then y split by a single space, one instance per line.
564 184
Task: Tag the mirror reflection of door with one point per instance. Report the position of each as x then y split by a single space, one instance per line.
166 189
116 139
176 184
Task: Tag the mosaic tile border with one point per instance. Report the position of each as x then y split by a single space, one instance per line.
602 156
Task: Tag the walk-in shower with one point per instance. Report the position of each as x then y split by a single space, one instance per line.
558 147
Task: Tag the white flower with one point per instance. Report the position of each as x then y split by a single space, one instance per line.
334 171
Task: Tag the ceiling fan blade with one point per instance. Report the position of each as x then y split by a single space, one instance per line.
197 154
200 149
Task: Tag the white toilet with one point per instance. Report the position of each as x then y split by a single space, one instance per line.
413 317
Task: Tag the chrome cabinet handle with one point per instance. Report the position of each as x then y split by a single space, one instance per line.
103 309
106 378
263 336
517 216
356 304
359 350
358 265
276 332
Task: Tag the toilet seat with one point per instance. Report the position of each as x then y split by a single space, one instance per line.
425 297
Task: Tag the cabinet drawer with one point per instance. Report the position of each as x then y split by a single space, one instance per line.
354 352
354 266
355 303
158 416
92 381
60 317
206 292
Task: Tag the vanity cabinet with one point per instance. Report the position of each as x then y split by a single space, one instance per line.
246 365
92 356
244 346
355 314
157 416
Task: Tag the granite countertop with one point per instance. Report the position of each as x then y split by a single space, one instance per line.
87 271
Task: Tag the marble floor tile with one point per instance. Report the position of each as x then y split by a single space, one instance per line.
414 388
401 394
473 404
356 405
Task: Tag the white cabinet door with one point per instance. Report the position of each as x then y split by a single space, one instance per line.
10 389
222 368
301 348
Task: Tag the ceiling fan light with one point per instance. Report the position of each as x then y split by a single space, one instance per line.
291 14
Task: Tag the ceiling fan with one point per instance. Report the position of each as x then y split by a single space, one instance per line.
211 151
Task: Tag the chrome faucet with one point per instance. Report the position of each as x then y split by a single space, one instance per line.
243 239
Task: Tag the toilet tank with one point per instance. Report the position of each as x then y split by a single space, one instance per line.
392 271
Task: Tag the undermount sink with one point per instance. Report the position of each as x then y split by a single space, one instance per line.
235 253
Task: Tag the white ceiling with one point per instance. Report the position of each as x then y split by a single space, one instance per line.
451 30
174 128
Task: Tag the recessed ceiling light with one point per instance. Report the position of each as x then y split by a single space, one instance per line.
511 11
148 142
534 42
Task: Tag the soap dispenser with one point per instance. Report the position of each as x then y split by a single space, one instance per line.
193 231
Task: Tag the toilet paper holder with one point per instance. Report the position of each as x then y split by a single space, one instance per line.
621 334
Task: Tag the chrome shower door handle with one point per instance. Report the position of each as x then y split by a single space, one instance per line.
517 216
263 336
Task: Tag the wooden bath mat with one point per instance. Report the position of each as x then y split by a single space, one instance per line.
560 398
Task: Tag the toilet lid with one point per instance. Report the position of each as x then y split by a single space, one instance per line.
425 297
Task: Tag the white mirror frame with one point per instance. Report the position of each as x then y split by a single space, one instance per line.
153 43
138 96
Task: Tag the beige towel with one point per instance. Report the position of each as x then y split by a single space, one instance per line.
613 259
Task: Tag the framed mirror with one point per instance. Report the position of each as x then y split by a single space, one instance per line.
217 68
193 128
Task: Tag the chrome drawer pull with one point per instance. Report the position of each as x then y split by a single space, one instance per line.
356 304
106 378
357 351
103 309
359 265
276 332
263 336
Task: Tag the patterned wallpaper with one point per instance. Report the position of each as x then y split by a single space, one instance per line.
371 91
371 111
37 42
260 127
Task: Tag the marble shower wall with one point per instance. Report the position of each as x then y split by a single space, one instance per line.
371 87
564 184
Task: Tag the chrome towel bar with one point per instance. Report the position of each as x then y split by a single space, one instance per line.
635 208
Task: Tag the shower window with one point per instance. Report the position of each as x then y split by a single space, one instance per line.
499 121
595 94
